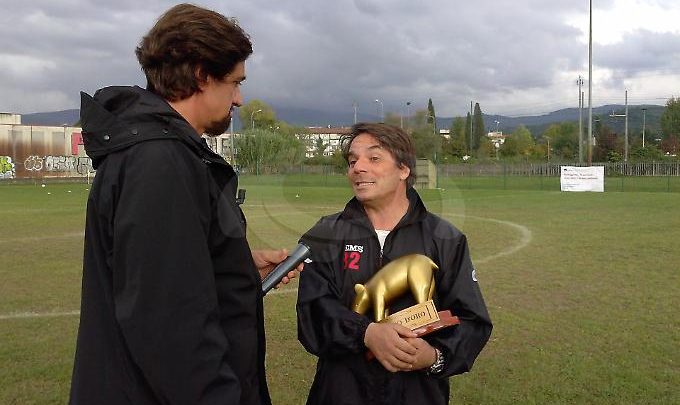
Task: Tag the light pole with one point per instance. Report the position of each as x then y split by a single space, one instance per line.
580 119
231 141
644 121
434 133
590 86
408 114
381 111
355 106
434 149
625 148
252 118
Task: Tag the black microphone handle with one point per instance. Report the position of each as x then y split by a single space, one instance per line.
300 253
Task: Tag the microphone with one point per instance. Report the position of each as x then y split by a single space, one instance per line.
300 253
241 196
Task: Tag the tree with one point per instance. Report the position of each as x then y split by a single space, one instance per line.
431 117
425 141
608 145
456 145
249 115
563 140
670 145
670 118
260 147
478 132
649 153
468 133
319 147
520 142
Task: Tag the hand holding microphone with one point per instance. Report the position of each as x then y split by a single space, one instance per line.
297 256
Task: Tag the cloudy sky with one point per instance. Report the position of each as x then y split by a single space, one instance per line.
514 57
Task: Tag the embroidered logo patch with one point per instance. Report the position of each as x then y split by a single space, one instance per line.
351 257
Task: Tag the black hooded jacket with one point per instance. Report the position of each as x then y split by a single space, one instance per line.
346 251
171 309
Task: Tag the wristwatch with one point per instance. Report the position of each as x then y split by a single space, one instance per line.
438 364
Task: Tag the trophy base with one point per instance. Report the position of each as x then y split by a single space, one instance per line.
446 319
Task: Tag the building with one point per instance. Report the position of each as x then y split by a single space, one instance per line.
28 151
40 151
497 138
328 137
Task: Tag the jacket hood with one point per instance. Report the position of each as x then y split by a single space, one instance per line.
118 117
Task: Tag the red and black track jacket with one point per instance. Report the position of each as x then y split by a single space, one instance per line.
346 251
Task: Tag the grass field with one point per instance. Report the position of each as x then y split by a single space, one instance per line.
583 289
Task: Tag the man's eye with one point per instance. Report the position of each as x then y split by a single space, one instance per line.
375 158
352 162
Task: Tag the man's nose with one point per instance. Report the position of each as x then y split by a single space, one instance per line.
238 98
359 165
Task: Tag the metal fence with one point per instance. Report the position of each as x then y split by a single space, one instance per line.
654 177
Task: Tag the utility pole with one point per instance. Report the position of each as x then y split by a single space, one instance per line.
354 105
644 121
472 120
625 147
408 114
590 87
580 119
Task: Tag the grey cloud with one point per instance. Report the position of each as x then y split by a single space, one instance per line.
323 55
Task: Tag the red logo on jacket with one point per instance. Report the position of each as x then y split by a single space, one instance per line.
351 257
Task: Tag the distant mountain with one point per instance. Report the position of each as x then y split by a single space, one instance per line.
54 118
536 123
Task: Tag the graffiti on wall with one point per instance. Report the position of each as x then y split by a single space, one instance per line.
59 164
6 168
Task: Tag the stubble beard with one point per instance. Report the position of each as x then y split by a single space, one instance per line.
217 128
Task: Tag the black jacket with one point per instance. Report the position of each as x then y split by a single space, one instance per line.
171 309
346 251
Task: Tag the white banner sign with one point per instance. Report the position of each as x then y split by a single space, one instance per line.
574 178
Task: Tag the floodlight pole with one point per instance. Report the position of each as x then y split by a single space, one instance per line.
580 120
644 122
590 87
625 149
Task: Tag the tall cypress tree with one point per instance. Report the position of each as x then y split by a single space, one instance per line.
477 127
430 112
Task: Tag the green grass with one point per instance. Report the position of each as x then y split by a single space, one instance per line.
585 311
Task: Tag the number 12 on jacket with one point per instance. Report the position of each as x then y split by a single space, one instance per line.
350 261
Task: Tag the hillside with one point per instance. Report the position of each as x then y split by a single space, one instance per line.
536 123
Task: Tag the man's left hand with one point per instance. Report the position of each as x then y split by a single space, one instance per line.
425 355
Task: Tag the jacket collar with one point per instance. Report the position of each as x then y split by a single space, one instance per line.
354 211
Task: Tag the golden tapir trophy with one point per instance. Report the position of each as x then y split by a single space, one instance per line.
413 273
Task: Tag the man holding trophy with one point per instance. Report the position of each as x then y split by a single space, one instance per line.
389 302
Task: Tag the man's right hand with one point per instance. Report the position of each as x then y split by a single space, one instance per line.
386 341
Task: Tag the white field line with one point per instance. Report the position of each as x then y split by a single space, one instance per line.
42 238
525 239
26 315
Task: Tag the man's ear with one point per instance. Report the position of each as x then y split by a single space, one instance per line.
405 172
202 79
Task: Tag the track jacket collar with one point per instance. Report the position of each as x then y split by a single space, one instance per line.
354 211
